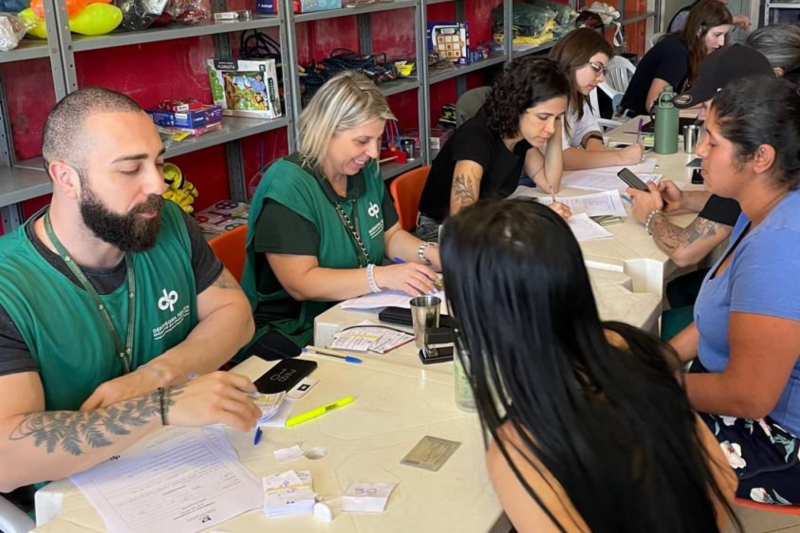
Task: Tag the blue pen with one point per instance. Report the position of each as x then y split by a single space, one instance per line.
398 261
627 199
331 353
258 436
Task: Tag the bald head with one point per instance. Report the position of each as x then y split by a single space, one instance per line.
64 128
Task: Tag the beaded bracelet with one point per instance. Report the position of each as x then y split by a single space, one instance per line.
421 251
373 286
650 216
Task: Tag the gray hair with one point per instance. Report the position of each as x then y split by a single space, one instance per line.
780 44
64 128
346 101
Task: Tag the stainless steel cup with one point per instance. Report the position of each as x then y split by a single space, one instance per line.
409 146
424 315
691 134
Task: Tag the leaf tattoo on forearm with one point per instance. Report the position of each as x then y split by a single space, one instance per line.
463 190
76 431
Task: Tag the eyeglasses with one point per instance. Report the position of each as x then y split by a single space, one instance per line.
598 68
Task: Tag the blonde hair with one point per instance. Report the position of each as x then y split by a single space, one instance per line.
346 101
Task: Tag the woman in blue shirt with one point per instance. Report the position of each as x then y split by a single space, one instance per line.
745 339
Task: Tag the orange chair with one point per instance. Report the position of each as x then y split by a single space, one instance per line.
230 249
407 190
768 507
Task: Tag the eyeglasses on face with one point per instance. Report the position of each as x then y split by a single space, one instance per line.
598 68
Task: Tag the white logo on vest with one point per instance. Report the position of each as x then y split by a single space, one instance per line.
373 210
168 300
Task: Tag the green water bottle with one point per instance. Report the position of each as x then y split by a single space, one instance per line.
666 123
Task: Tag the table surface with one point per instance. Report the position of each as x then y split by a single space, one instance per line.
395 407
612 291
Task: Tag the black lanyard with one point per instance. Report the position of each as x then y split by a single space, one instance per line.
124 352
354 234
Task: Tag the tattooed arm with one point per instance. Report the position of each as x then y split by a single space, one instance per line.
689 245
38 445
466 189
225 325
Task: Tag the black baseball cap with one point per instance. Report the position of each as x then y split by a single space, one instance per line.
720 68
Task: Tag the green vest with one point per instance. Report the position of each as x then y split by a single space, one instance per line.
310 196
65 332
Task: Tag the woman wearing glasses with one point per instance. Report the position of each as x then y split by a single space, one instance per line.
486 155
675 59
584 55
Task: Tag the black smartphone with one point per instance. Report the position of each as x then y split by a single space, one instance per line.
632 179
697 177
284 376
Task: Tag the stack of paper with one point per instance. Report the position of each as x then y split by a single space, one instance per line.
586 229
606 203
370 337
366 497
269 405
386 299
289 493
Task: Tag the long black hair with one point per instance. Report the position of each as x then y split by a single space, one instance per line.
612 424
525 83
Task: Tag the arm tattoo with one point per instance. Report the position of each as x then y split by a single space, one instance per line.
669 237
75 432
226 281
462 190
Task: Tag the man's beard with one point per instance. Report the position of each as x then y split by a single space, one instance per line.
129 232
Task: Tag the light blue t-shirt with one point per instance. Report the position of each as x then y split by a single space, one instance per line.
762 278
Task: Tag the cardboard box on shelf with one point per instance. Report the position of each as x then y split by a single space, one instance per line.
245 88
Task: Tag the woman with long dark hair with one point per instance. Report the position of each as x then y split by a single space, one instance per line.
591 428
486 155
584 55
675 59
744 343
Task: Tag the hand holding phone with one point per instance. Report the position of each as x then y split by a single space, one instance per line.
632 180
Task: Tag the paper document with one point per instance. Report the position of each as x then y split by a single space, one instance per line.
369 337
594 205
586 229
289 493
601 181
648 166
179 481
385 299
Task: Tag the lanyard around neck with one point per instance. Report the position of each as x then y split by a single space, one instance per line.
124 351
352 230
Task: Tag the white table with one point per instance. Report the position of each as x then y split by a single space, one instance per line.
395 407
613 292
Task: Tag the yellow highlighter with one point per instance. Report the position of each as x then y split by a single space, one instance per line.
319 411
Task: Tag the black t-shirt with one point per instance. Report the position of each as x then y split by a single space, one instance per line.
14 354
721 210
473 141
668 60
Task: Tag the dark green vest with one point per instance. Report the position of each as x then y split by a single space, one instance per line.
63 329
287 183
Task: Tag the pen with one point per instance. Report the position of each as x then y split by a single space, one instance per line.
332 353
258 436
626 199
639 133
319 411
398 261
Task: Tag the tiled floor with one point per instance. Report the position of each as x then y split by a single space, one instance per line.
761 522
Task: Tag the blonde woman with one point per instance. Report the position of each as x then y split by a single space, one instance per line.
321 222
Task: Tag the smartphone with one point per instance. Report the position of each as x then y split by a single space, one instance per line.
632 180
284 376
697 176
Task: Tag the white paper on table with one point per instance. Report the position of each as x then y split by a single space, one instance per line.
269 405
289 493
367 336
648 166
595 205
178 482
601 181
366 497
278 420
586 229
285 455
386 299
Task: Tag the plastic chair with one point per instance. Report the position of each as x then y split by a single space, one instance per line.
13 519
768 508
606 124
618 77
406 190
230 249
656 37
469 103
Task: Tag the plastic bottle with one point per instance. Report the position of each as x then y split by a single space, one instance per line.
666 123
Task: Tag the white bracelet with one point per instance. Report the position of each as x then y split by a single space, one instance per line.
421 251
371 278
650 216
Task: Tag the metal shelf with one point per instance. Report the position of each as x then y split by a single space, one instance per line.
27 49
431 2
347 11
784 5
173 31
34 163
398 86
495 58
233 128
638 18
18 185
391 170
541 48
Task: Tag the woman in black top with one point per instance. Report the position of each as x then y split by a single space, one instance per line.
486 156
675 59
